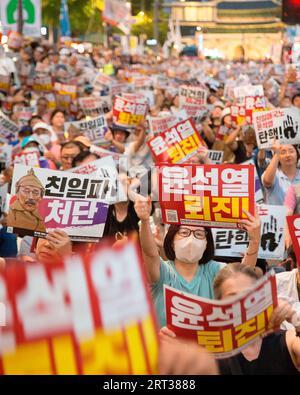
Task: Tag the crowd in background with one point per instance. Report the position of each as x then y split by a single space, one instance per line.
182 257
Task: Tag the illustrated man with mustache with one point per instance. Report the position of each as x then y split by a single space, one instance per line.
23 213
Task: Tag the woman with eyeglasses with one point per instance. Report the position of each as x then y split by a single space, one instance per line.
190 251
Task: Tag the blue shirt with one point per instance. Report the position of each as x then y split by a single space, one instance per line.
201 284
276 193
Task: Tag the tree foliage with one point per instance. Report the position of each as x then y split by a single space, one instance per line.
83 15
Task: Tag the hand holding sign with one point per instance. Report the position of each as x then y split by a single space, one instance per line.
251 225
60 241
282 312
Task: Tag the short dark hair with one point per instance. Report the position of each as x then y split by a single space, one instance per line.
82 156
209 252
56 111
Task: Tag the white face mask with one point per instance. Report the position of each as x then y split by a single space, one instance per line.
189 249
45 138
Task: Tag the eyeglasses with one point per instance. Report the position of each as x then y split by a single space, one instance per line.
198 233
34 192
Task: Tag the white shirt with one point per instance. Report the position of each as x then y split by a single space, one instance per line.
287 288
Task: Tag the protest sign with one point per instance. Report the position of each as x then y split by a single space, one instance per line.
87 315
4 83
216 157
177 144
233 243
91 105
259 197
5 156
3 199
8 129
192 95
205 195
128 113
64 89
23 114
223 327
28 157
105 169
101 81
293 222
94 129
119 88
160 124
75 203
282 124
240 92
44 85
245 109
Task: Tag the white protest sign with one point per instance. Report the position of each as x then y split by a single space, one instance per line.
281 124
216 157
44 200
94 129
259 197
233 243
105 169
5 155
8 129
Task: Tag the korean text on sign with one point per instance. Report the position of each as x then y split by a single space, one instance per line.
206 195
89 315
294 229
75 203
280 124
177 144
223 328
128 113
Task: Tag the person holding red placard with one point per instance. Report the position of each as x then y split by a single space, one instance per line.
190 251
276 353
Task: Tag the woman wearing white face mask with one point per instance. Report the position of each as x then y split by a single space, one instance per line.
190 251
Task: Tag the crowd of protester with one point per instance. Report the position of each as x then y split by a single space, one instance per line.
182 257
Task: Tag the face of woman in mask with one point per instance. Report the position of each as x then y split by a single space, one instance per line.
190 244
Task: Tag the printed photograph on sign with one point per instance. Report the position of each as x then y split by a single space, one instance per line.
223 327
96 317
43 200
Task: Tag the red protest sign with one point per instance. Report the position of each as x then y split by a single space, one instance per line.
293 222
206 195
177 144
224 328
128 113
90 314
246 107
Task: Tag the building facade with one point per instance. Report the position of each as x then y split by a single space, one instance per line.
233 29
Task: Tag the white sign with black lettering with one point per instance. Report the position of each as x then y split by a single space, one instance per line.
282 124
233 243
